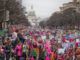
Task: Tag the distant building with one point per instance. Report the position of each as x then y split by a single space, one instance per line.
32 17
75 4
78 0
78 6
67 5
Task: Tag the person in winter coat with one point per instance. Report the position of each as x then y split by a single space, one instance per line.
16 42
20 36
35 51
8 49
52 56
25 50
18 51
41 53
1 42
2 53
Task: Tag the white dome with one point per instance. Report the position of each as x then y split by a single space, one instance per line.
32 12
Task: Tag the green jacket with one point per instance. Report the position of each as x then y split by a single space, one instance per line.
35 52
27 49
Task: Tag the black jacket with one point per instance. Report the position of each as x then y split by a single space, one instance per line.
7 49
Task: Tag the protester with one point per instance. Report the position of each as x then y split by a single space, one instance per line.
35 51
8 49
40 44
25 50
41 53
20 36
18 51
2 53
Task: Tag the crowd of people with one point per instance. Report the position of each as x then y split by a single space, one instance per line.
40 44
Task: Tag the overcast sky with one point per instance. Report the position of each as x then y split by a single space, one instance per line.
44 8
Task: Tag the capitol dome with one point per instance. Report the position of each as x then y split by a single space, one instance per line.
32 12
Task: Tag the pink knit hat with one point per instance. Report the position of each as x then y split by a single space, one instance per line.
35 42
77 44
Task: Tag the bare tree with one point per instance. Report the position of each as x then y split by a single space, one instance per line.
68 17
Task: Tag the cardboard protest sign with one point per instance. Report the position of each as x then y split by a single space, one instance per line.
51 37
78 40
59 40
61 51
43 37
65 45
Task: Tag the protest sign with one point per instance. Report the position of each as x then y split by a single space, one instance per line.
61 51
65 45
43 37
78 40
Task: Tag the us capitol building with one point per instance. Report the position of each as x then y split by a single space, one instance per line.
32 17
